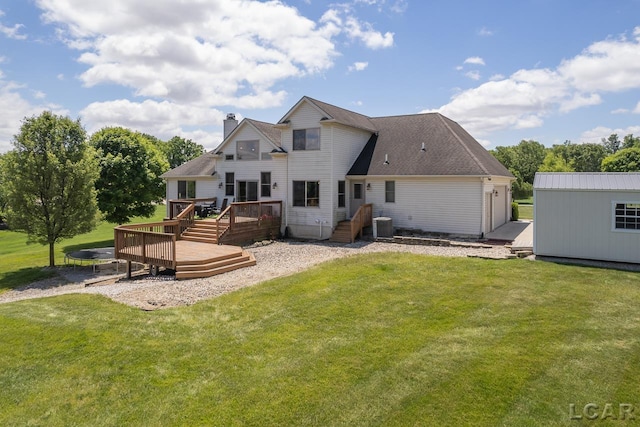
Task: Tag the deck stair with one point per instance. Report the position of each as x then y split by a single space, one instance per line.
219 264
203 231
342 232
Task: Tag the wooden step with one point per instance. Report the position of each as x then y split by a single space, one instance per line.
342 233
244 256
246 260
210 239
203 261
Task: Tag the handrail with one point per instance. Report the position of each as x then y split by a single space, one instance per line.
187 218
362 218
221 216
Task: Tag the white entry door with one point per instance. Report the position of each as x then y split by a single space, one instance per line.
356 197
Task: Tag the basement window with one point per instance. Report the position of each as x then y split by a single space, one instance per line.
627 216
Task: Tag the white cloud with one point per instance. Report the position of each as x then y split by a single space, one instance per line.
476 60
161 119
496 77
358 66
206 53
364 31
400 6
485 32
473 75
525 98
620 111
637 109
14 109
596 134
12 32
38 94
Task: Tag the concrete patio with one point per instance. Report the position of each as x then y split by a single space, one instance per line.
520 233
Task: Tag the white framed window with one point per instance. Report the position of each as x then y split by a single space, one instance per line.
186 189
228 157
306 139
229 184
341 194
626 216
390 191
247 150
306 193
265 184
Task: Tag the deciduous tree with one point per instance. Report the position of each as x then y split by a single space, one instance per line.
180 150
48 180
626 160
130 169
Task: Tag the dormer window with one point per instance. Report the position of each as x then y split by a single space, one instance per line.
306 139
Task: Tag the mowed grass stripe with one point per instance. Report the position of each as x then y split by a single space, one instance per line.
380 339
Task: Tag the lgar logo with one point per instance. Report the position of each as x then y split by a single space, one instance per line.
591 411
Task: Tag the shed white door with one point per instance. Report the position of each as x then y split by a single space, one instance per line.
356 197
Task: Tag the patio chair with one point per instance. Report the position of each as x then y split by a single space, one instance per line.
208 208
225 201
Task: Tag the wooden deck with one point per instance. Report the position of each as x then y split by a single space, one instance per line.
195 259
192 247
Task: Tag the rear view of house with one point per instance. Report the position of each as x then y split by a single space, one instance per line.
326 163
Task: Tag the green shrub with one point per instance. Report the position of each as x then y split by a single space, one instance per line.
515 212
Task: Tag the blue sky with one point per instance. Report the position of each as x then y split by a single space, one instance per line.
547 70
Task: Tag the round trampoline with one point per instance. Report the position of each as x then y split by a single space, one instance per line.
94 256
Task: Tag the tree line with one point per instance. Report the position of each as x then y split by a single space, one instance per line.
58 182
529 157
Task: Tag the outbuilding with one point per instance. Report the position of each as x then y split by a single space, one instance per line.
592 216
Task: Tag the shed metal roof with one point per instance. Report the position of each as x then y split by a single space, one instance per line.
585 181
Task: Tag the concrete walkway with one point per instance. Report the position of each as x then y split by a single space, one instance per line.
518 232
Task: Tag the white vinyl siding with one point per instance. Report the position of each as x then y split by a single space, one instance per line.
431 204
249 171
580 224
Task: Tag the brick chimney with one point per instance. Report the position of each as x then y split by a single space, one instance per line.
230 123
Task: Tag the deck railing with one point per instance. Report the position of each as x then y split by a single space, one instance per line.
362 218
242 221
155 243
152 243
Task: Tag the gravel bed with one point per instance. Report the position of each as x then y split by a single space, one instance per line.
274 259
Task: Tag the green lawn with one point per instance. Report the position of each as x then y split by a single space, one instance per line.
525 211
379 339
22 263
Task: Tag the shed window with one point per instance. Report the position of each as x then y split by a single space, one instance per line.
627 216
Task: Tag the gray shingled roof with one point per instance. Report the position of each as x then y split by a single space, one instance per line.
268 130
615 181
204 165
448 149
340 115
